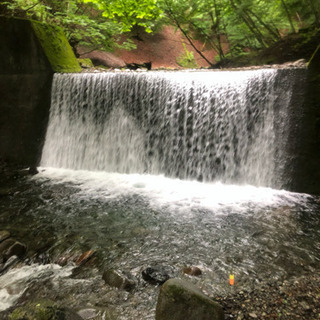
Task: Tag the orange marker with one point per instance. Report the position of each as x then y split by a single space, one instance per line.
231 279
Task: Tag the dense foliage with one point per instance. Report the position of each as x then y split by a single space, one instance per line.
82 23
230 27
242 25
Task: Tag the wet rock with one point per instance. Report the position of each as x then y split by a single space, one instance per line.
135 66
192 271
84 257
4 235
93 314
180 300
44 310
85 63
11 261
157 274
63 260
5 245
301 63
33 171
43 258
16 249
87 314
119 279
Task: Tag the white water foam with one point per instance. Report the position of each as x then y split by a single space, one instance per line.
16 281
173 195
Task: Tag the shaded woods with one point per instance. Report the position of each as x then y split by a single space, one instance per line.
232 28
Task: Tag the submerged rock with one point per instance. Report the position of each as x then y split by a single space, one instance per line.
44 310
192 271
94 314
84 257
157 274
87 314
180 300
119 279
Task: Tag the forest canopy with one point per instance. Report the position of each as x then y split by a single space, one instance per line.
239 25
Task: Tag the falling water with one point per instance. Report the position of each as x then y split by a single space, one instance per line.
117 176
209 126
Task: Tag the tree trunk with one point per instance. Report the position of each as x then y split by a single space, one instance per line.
274 34
315 12
251 25
218 33
288 15
173 17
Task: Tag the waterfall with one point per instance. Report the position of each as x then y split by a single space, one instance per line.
209 126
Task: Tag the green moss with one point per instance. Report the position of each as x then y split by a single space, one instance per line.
85 63
56 47
42 310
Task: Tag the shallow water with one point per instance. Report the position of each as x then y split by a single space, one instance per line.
134 221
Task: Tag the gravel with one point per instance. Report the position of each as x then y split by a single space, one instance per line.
298 298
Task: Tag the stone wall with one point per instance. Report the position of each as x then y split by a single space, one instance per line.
28 60
306 177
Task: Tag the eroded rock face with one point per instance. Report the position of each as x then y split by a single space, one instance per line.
180 300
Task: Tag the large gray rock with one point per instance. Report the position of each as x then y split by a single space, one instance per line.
181 300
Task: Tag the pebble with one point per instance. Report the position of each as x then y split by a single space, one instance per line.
298 299
253 315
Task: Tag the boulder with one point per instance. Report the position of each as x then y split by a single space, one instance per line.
180 300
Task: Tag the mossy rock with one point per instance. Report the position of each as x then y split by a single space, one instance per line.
86 63
181 300
43 310
56 47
